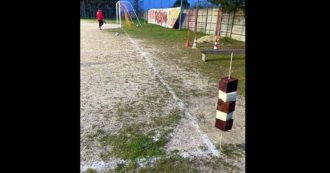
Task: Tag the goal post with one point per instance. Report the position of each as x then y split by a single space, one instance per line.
126 7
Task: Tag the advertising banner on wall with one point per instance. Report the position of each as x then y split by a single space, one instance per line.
165 17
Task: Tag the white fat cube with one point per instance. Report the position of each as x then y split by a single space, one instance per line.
224 116
227 97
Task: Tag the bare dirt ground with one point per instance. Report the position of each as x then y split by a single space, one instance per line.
125 81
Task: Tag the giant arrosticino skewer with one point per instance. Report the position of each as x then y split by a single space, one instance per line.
226 102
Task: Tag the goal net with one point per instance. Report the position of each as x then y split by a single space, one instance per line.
125 14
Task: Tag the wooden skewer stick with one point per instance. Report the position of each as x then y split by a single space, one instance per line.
220 140
231 60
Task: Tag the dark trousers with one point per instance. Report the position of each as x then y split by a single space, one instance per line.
100 23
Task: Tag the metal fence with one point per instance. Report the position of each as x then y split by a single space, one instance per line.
232 24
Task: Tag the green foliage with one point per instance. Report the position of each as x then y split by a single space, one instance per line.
230 5
88 8
185 4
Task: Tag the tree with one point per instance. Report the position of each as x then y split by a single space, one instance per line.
204 4
185 3
88 8
230 5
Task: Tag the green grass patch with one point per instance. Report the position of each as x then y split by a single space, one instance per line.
217 66
177 164
170 120
226 166
173 164
123 109
122 168
156 103
133 141
232 150
130 144
90 170
99 132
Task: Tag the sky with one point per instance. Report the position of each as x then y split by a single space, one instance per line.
147 4
165 3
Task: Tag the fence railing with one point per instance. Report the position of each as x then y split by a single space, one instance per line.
232 24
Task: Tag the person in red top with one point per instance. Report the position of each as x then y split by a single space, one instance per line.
99 17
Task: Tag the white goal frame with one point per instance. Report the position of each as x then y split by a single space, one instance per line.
118 14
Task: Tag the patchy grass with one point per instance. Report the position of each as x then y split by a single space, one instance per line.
232 151
177 164
138 140
181 90
152 103
173 164
121 168
177 85
90 170
140 136
155 103
131 144
104 156
170 120
99 132
123 109
217 66
215 164
225 166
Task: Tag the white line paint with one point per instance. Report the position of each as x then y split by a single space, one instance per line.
101 165
180 104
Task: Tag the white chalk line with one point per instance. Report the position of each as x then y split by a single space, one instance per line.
101 165
180 104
